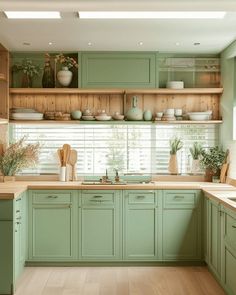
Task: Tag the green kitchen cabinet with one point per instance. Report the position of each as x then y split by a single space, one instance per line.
142 225
13 245
99 227
52 227
214 237
229 252
182 226
118 70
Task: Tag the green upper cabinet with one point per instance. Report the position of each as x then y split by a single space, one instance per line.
142 225
182 225
100 225
118 70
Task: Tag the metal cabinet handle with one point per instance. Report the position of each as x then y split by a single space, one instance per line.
52 197
17 211
18 222
140 197
18 218
98 197
233 226
19 199
179 197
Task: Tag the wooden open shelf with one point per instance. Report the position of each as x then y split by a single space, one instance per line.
115 91
114 122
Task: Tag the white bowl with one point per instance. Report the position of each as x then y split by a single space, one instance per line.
198 116
88 118
175 85
169 112
103 118
159 114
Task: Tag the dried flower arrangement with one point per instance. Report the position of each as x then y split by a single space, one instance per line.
66 61
27 67
18 156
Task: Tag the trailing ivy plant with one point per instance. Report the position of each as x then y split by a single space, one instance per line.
213 159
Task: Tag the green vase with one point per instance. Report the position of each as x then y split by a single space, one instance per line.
134 114
48 80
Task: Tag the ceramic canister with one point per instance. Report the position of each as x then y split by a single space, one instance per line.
134 114
147 115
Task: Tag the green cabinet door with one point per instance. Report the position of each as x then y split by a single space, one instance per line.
142 225
118 70
99 231
52 234
214 237
181 225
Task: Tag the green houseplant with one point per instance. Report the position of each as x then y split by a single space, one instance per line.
212 161
17 157
196 152
29 70
175 145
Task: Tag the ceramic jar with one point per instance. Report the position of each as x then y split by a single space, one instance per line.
134 114
64 76
76 115
147 115
173 164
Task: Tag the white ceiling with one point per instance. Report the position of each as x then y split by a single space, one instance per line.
73 34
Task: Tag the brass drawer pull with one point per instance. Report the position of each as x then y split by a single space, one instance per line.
233 226
52 197
96 197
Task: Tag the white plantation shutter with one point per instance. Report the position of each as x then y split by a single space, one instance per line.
136 148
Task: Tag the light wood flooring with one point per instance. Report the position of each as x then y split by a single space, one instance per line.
141 280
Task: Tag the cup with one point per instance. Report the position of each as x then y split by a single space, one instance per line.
178 112
159 114
62 174
170 112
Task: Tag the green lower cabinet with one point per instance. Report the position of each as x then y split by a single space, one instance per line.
214 237
229 252
52 232
100 225
181 229
142 225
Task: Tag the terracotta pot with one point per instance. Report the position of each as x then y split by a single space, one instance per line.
173 164
209 174
9 178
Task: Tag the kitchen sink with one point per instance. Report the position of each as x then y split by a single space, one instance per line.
100 183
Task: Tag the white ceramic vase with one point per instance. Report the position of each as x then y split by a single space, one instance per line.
64 76
173 164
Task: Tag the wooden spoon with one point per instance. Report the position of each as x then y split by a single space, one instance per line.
66 150
72 162
224 168
60 155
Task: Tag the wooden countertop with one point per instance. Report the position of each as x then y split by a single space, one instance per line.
217 191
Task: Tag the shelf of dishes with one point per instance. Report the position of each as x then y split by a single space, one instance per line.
133 114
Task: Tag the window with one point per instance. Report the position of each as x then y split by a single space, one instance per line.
130 148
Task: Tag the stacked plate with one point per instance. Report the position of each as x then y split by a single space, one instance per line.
25 114
103 117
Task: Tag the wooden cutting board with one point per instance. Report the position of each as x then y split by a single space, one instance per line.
224 168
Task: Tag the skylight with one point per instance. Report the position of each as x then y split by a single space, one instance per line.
33 14
152 14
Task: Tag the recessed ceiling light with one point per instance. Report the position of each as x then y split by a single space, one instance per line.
196 43
50 43
140 43
152 14
26 43
177 43
89 43
32 14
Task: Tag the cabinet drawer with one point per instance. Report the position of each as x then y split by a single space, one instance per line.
98 198
231 230
180 199
141 197
52 197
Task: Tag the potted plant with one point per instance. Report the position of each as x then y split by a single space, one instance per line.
175 145
212 161
29 70
17 157
64 76
196 152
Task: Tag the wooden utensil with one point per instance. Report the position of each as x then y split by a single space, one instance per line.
72 162
224 168
60 156
66 150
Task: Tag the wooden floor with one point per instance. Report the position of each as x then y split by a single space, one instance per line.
117 280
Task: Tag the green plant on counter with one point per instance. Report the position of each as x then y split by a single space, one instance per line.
175 145
196 150
213 159
18 156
